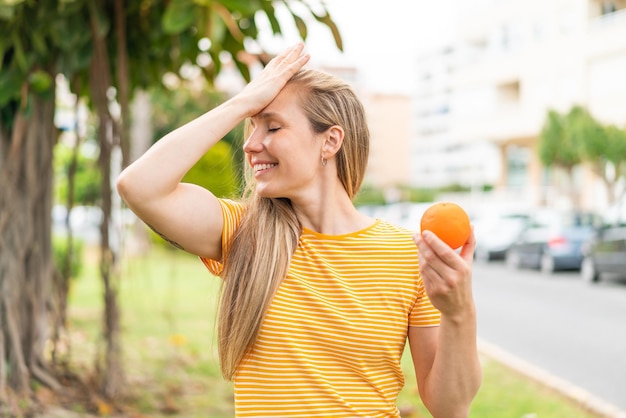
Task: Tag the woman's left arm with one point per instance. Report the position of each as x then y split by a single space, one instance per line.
446 360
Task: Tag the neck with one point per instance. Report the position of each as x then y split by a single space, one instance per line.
331 212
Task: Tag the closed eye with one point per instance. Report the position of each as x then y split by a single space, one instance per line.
273 129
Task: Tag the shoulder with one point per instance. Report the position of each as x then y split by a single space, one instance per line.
233 212
386 228
230 205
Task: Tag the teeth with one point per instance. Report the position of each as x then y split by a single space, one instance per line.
259 167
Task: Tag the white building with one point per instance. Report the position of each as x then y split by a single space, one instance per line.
482 100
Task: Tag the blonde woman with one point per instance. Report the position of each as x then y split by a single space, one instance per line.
318 299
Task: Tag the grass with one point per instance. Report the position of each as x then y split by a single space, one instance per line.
168 309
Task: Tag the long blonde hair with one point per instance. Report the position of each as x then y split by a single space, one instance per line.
260 252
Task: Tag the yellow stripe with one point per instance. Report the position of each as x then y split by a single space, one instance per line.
332 339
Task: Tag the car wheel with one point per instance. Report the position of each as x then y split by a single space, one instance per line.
512 260
588 271
547 264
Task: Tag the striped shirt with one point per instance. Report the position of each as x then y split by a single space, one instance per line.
332 339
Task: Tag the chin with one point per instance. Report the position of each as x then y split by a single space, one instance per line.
268 193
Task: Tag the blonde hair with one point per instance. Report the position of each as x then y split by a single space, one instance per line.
260 252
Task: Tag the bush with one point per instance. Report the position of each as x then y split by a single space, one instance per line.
59 252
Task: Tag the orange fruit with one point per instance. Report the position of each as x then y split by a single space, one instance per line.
449 222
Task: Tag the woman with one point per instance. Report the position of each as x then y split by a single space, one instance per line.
318 299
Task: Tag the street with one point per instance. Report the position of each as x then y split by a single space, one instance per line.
570 329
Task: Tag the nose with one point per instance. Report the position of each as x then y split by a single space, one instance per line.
254 143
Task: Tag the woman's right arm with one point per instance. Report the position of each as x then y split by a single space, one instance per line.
187 215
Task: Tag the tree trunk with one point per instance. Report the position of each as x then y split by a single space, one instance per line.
26 269
63 273
111 367
600 169
123 80
574 193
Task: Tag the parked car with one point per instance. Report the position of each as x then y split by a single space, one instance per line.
606 251
496 233
553 240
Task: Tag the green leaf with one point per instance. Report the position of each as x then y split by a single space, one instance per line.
243 70
218 29
244 7
6 12
10 83
40 81
3 48
270 12
178 16
39 43
301 25
249 28
326 19
19 55
550 138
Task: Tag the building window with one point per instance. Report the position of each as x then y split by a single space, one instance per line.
509 92
517 159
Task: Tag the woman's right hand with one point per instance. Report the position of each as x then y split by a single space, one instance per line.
263 88
185 214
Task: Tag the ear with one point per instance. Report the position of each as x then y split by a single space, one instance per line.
333 139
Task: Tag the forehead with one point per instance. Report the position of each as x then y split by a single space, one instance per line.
285 104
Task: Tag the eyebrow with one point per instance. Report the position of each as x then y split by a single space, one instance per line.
265 115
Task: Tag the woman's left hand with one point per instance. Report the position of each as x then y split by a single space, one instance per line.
447 274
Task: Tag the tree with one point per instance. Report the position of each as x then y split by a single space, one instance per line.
219 170
557 147
603 147
107 50
577 137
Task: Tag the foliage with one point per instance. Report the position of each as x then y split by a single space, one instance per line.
418 194
169 300
173 107
106 50
59 251
556 144
576 137
215 172
454 188
370 195
604 148
86 180
24 55
219 170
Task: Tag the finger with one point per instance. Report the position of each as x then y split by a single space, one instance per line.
288 55
295 51
443 250
431 265
441 258
297 58
467 251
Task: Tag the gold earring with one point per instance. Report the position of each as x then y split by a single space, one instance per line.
324 161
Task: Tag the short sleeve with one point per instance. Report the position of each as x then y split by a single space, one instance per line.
423 314
233 213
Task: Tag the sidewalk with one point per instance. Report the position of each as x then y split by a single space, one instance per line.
582 397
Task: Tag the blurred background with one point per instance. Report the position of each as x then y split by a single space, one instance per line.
514 109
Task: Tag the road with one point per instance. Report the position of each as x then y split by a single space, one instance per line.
570 329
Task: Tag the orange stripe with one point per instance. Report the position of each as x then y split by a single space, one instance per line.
331 342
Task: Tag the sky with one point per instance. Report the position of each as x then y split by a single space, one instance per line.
382 38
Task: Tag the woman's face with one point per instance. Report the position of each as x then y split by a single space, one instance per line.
282 149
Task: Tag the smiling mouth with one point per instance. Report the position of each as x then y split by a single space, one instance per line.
261 167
